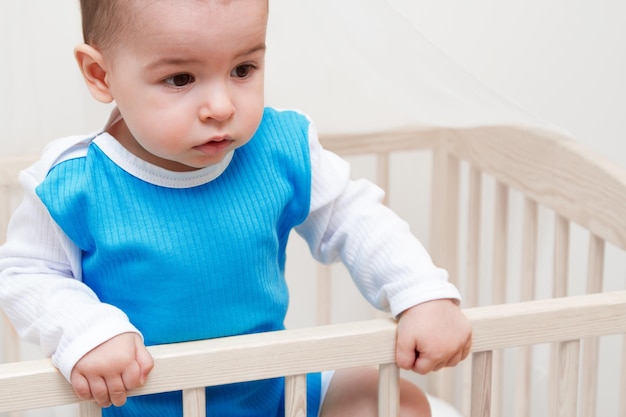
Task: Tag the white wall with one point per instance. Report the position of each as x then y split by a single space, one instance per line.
41 95
560 59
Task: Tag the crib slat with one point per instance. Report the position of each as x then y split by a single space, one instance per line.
622 400
561 258
500 246
10 340
388 390
473 238
472 267
590 356
5 211
295 396
444 211
444 235
559 288
194 402
595 269
527 293
524 381
382 174
498 296
566 385
8 337
324 294
481 384
529 250
89 409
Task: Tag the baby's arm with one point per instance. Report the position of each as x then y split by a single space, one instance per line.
391 268
348 222
433 335
41 289
110 370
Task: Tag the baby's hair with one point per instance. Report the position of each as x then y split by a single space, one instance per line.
104 21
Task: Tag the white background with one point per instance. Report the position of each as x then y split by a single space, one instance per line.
563 61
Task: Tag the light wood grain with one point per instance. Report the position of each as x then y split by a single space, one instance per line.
295 396
499 283
550 320
622 400
419 138
527 293
194 402
388 390
548 170
481 384
220 361
89 409
474 204
444 236
293 352
556 172
591 346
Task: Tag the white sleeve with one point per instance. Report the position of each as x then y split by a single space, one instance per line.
348 222
41 289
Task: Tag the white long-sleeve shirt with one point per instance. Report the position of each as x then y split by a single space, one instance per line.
41 285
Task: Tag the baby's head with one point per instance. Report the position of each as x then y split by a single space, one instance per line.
186 75
106 22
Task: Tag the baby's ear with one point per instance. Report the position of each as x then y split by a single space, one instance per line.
93 67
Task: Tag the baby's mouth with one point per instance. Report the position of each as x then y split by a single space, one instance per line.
214 146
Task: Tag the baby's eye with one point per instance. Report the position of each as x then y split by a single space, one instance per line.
242 71
179 80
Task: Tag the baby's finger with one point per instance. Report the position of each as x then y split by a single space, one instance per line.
80 386
406 355
424 365
131 377
145 361
455 360
406 360
116 390
100 392
467 349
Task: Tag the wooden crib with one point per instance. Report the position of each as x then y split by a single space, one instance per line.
531 228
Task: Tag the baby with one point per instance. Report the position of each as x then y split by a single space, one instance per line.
171 223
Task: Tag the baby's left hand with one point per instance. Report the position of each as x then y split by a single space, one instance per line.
433 335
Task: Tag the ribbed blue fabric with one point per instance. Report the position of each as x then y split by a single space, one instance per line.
193 263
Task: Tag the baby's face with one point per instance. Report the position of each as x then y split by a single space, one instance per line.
189 81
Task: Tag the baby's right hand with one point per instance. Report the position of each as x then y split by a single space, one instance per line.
110 370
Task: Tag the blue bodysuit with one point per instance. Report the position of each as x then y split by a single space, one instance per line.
194 262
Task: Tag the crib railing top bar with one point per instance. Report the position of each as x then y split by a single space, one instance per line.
268 355
219 361
20 381
291 352
550 320
382 142
558 173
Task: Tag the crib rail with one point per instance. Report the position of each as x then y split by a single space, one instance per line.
553 171
188 366
566 321
516 214
495 249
